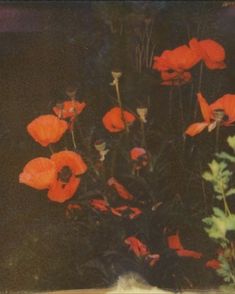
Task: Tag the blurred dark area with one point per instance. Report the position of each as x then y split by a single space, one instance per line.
43 46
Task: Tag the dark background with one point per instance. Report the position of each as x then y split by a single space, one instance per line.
43 46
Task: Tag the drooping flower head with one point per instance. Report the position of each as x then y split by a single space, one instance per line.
47 129
211 52
114 122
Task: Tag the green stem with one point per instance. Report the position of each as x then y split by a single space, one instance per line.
73 139
120 104
226 207
50 148
217 137
143 141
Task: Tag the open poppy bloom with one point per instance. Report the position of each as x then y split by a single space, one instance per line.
174 65
69 165
213 263
222 112
47 129
69 109
136 246
121 190
174 243
100 205
114 122
39 173
211 52
58 174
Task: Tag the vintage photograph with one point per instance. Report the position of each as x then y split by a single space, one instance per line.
117 141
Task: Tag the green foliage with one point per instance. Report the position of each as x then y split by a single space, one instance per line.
222 222
218 224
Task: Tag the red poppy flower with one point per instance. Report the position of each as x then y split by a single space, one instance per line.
114 122
137 152
39 173
121 190
69 109
69 166
212 53
221 111
174 65
47 129
175 244
99 204
213 263
137 246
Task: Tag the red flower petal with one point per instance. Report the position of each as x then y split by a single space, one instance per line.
213 263
99 204
174 242
189 253
114 122
122 191
47 129
196 128
60 192
137 246
38 173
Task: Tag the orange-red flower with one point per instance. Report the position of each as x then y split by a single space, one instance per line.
174 243
58 174
99 204
121 190
139 156
213 263
114 120
222 112
211 52
38 173
47 129
69 165
137 152
136 246
174 65
69 109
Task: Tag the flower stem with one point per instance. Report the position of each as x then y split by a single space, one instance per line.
73 139
120 104
217 137
51 148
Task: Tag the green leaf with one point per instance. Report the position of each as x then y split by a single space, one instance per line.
231 142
